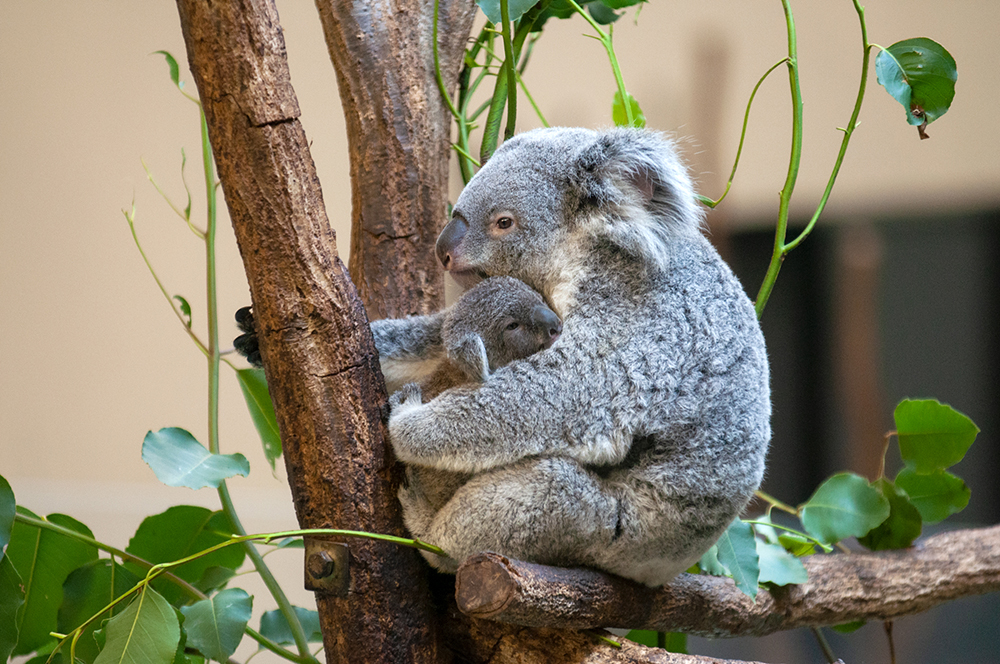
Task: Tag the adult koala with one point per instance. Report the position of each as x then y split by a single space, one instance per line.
631 443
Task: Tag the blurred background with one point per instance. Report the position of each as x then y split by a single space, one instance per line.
895 294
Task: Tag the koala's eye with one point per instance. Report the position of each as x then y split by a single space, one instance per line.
504 223
513 326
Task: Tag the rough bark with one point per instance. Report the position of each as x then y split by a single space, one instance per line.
487 642
328 396
841 588
398 135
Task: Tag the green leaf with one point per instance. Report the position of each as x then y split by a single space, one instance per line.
709 563
847 628
44 559
936 496
147 632
920 74
901 528
175 71
560 9
179 532
515 9
214 626
844 506
215 578
274 626
601 13
185 307
779 567
87 590
11 599
738 552
796 544
180 460
8 508
620 4
619 115
254 386
673 641
932 436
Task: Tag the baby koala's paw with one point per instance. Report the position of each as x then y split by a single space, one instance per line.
405 399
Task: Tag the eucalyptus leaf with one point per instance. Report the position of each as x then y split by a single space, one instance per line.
11 599
515 9
180 460
709 563
8 507
619 115
932 435
796 544
214 626
779 567
146 632
738 552
175 71
601 13
274 626
847 628
936 495
86 591
181 531
556 9
43 559
620 4
920 74
901 528
185 307
843 506
254 386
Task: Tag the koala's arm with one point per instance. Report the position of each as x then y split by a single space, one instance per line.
409 349
541 405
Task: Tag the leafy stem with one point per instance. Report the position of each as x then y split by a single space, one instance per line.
214 360
511 70
759 522
606 40
743 133
130 218
781 248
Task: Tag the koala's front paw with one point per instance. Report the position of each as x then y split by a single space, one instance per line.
405 399
247 344
417 509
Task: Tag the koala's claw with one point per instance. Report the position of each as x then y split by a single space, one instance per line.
247 344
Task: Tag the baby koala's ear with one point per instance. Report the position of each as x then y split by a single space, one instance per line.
469 354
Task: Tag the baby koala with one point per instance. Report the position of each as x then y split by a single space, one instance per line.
498 321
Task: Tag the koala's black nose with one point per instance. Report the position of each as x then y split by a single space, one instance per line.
449 240
546 320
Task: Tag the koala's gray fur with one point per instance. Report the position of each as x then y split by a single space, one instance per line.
631 443
496 322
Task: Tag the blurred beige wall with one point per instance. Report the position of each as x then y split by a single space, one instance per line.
92 356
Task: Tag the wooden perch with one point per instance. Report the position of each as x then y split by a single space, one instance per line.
841 588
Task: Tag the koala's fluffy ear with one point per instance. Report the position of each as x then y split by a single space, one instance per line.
636 183
469 354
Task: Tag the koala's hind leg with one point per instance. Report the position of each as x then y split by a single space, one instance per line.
547 510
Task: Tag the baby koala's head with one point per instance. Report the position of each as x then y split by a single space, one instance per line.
509 319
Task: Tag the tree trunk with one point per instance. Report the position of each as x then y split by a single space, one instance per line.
321 363
398 134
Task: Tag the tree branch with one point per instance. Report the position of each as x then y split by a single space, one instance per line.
321 363
841 588
399 141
